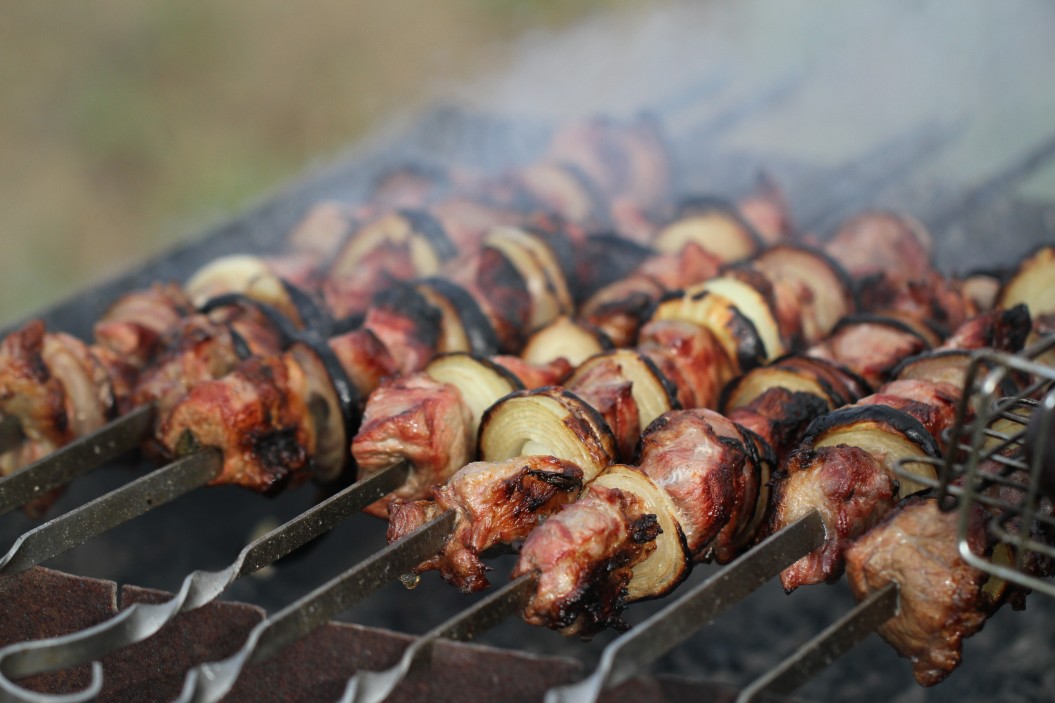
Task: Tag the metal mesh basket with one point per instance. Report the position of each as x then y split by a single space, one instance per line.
986 466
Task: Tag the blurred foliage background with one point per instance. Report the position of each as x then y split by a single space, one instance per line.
125 125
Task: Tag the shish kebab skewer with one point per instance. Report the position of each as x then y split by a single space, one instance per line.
210 681
693 362
520 585
136 323
678 619
531 263
761 209
197 589
926 601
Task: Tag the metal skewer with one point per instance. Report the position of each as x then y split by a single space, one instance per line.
628 654
78 457
822 650
108 511
376 686
200 587
212 681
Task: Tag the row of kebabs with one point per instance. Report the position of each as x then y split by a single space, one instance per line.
701 489
154 345
264 415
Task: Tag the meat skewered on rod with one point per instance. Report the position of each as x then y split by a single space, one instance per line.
691 610
173 610
37 482
251 644
944 592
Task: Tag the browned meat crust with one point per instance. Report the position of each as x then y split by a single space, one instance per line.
53 387
941 600
618 308
869 349
605 388
535 375
418 420
691 357
710 468
848 487
133 327
881 242
256 416
496 503
585 557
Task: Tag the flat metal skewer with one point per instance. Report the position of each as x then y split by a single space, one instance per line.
627 655
826 647
110 510
141 620
78 457
212 681
376 686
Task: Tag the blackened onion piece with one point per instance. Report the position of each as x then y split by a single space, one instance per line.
480 381
605 259
343 404
480 334
428 227
825 289
310 311
753 297
549 421
713 224
721 316
286 330
884 432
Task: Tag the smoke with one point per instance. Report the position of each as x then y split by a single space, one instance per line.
861 72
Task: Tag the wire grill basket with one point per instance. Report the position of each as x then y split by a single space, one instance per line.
987 462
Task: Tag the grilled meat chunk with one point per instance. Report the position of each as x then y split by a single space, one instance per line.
941 597
53 388
418 420
849 487
932 403
882 243
257 416
711 469
496 502
690 357
585 556
871 347
136 323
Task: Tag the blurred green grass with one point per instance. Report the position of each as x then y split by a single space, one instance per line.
126 125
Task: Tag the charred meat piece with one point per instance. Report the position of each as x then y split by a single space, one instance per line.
135 324
202 348
941 598
584 557
257 416
619 308
407 325
607 390
418 420
691 357
712 471
53 388
849 487
882 243
932 403
497 503
870 347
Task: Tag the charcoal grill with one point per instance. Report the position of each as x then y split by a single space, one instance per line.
207 528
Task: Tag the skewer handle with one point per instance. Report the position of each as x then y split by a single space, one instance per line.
376 686
212 681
